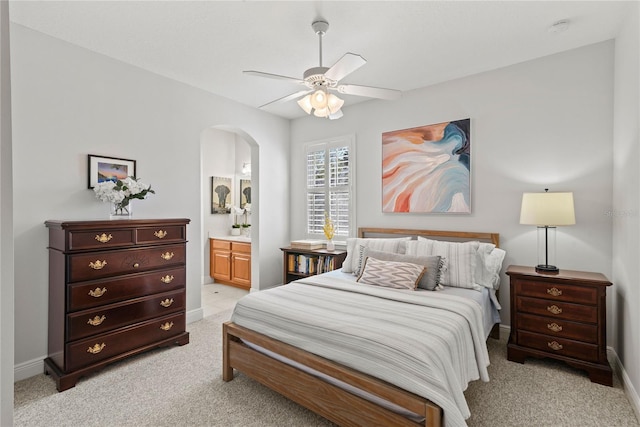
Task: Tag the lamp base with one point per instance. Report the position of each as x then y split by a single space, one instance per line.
543 268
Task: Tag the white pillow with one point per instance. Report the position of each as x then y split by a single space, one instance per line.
460 259
350 264
488 263
391 274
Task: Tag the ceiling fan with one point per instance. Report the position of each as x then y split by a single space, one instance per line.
321 81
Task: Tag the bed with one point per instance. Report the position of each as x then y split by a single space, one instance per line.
377 384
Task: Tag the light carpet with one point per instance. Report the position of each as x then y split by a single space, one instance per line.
182 386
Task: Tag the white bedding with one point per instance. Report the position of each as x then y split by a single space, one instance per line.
429 343
485 297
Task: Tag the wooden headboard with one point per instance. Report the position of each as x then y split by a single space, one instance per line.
460 236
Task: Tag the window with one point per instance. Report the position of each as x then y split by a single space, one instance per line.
330 184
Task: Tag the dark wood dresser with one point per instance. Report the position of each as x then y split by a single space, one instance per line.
561 316
116 288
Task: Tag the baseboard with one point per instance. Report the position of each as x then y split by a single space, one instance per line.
28 369
629 389
195 315
505 330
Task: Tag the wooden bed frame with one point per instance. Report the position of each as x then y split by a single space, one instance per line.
323 398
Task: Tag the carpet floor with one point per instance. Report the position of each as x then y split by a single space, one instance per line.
182 386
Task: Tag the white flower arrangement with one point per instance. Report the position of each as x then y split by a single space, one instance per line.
121 192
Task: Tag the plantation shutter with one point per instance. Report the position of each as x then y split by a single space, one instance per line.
329 184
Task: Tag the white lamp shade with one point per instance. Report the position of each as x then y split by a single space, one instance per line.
319 99
334 103
305 104
321 112
547 209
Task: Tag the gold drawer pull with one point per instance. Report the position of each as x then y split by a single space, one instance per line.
136 265
96 348
103 238
554 292
166 279
554 309
167 256
160 234
554 327
97 293
97 320
98 265
166 326
554 345
167 302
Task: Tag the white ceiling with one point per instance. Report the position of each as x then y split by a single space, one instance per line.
408 45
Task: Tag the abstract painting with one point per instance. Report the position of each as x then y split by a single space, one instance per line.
427 169
220 195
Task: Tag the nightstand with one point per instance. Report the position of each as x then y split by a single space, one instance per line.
300 263
560 316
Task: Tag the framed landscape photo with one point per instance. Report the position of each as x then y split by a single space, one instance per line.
103 169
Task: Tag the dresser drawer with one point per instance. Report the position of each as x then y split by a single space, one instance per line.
111 263
172 233
102 292
557 292
558 328
558 309
89 351
102 319
100 239
561 346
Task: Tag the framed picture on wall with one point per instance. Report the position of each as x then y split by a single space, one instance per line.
103 169
221 199
245 192
427 169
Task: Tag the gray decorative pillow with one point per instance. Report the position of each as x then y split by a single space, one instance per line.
431 278
391 274
350 264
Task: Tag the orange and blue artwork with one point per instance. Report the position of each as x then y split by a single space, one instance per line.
427 169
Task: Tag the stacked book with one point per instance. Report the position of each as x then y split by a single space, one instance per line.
307 244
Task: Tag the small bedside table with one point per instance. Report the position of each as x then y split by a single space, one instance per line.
561 316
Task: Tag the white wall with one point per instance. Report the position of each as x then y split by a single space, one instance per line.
6 227
625 294
541 123
69 102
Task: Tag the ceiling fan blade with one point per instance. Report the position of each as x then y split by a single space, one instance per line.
369 91
287 98
273 76
345 66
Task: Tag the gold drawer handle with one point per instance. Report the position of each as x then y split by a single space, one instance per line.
103 238
98 265
160 234
97 320
166 279
166 326
96 348
554 292
167 256
554 327
554 309
97 293
554 345
167 302
136 265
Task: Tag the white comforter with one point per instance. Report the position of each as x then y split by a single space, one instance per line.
427 343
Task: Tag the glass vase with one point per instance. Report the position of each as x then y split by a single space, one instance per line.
117 211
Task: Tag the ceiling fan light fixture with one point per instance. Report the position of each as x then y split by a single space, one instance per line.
305 104
319 99
334 104
321 112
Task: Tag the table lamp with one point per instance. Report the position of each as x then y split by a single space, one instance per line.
547 211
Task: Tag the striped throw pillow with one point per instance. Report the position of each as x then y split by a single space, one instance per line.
391 274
